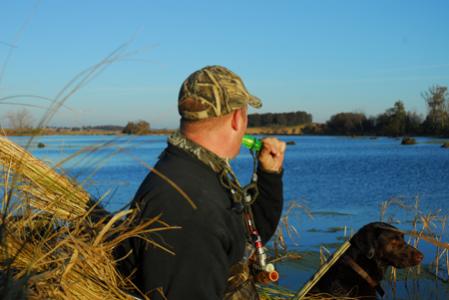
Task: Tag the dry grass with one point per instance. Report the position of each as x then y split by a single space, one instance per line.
50 246
38 184
277 130
426 226
287 230
278 293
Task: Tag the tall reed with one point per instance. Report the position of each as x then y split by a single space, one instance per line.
53 246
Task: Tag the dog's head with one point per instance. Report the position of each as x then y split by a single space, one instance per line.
385 243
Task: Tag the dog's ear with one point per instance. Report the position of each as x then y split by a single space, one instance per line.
365 240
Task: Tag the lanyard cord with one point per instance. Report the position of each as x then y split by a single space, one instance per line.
242 199
241 196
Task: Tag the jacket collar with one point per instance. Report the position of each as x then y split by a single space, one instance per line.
215 162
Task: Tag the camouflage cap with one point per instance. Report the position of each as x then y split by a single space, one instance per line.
213 91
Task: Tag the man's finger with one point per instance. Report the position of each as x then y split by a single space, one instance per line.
283 147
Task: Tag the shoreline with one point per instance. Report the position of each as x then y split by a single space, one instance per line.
274 130
46 132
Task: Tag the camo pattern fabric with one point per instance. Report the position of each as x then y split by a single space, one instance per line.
212 92
219 165
241 283
209 158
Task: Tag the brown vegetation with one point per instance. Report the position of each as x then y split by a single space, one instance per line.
19 120
139 127
408 141
51 247
61 131
276 130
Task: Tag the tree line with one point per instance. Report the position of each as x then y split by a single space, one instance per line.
396 121
279 119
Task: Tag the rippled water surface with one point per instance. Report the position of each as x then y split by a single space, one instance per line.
341 181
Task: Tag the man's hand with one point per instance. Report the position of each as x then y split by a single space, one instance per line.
271 157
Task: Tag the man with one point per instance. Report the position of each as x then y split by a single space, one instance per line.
201 196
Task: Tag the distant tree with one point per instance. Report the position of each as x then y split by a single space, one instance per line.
437 100
290 118
369 125
314 128
346 123
255 120
267 119
413 123
393 121
108 127
140 127
19 120
279 119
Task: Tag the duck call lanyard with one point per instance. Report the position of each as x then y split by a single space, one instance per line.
242 198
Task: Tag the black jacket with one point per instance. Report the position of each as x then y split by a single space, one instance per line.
212 237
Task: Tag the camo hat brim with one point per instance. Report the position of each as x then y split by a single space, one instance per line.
211 92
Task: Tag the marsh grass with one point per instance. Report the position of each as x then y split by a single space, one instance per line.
287 230
332 229
419 226
37 184
47 251
272 292
51 247
53 242
429 227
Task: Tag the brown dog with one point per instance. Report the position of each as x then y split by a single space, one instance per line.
359 271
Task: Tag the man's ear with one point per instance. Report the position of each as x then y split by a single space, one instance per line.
237 119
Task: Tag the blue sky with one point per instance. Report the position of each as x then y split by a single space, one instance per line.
321 56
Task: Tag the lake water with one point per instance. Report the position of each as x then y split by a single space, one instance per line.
341 181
